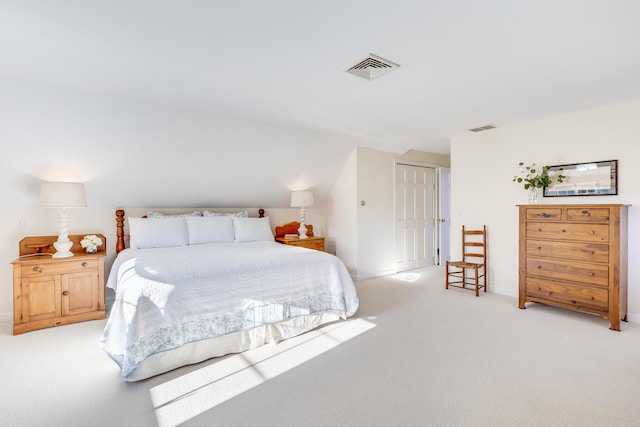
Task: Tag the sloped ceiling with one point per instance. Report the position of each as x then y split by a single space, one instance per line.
463 63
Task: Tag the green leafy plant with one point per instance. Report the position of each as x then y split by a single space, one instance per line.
535 178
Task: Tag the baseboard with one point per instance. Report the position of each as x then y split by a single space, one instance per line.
633 318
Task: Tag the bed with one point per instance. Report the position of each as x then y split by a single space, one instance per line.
193 286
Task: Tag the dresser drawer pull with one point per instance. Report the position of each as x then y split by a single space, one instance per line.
543 215
586 213
573 302
539 248
592 274
592 298
37 269
85 264
592 252
539 267
539 288
65 293
564 231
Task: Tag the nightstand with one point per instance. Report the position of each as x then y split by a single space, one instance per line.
314 242
50 291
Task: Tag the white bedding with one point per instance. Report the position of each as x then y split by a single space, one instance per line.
176 306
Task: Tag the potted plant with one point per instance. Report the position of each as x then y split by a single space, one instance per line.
534 178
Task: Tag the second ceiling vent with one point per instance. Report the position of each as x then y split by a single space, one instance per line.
373 67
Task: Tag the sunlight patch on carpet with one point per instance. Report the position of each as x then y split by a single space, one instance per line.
407 277
184 398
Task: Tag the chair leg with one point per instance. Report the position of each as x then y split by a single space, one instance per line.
477 281
446 277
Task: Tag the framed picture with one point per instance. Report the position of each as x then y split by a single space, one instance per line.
584 179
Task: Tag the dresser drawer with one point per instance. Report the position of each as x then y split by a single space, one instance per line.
593 252
582 272
590 297
558 231
588 214
58 267
544 214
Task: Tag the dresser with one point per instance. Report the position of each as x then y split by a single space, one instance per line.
575 256
50 291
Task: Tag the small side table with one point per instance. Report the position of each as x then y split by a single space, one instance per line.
314 242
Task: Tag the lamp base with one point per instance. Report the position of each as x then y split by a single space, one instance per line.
302 231
63 249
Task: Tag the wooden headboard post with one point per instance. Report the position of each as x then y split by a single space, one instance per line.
120 228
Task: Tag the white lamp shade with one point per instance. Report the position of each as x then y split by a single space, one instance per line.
63 195
301 199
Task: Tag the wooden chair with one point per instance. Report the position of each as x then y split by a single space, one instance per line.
474 257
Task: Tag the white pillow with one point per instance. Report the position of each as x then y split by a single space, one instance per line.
157 232
252 229
153 214
210 229
243 214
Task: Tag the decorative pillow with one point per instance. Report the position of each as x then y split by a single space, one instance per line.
252 229
242 214
210 229
158 232
152 214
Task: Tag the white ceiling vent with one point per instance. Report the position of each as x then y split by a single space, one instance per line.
373 67
481 128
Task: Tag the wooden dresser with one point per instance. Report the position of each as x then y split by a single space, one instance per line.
50 291
575 257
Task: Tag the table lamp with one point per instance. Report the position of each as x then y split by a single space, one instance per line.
63 195
302 199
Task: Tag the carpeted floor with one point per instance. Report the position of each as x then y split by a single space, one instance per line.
414 355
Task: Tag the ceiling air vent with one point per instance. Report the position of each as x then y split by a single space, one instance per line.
373 67
481 128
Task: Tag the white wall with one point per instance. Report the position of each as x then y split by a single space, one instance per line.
364 234
484 164
135 153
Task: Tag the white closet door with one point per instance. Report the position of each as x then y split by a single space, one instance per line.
414 225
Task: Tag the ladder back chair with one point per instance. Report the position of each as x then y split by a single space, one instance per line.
474 260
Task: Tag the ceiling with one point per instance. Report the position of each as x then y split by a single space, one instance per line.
463 63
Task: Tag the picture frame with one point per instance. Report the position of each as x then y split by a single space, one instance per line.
584 179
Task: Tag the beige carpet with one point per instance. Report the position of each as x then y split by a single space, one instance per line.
415 355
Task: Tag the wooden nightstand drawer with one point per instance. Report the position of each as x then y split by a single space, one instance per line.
315 242
60 267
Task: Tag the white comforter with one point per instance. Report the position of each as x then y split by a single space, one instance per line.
170 297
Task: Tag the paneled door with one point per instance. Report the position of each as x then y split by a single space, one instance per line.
414 216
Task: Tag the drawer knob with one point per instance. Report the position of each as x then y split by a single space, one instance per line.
65 293
586 213
592 298
37 269
540 230
592 274
564 231
539 267
539 248
592 252
573 302
85 264
592 232
539 288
